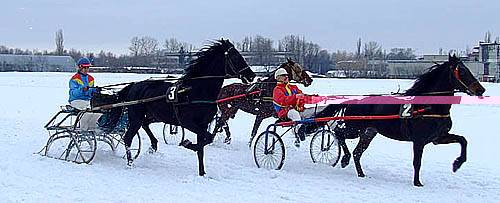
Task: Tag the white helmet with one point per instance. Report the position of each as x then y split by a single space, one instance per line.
280 71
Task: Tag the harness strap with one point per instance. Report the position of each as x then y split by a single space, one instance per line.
128 103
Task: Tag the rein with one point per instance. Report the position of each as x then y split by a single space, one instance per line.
221 100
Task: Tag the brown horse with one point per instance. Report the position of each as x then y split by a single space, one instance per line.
260 105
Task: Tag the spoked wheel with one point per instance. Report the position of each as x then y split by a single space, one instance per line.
269 151
325 148
71 146
172 138
57 145
118 140
109 140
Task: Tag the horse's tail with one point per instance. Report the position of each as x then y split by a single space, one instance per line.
225 107
115 114
331 110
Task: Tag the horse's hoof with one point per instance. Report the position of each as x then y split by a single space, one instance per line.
361 175
151 150
418 184
185 143
202 173
456 165
130 163
227 140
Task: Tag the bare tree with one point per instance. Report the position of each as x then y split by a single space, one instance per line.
143 50
373 50
246 44
261 48
401 54
358 48
59 42
144 46
149 46
135 46
174 45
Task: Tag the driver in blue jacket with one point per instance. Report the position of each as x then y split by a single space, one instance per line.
81 85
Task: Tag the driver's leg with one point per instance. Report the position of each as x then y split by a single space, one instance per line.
80 104
294 115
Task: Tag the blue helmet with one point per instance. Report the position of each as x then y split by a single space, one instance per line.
84 62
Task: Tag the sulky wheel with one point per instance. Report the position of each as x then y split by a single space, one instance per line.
171 134
269 151
325 148
57 145
72 146
83 147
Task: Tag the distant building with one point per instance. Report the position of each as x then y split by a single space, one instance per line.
489 56
36 63
413 68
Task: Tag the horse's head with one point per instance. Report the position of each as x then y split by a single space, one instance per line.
463 79
235 64
446 78
296 72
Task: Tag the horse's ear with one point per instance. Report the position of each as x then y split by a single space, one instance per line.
289 60
452 58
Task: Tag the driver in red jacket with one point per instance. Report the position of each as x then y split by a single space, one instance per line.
286 102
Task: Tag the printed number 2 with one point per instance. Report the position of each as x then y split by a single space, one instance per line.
406 110
171 93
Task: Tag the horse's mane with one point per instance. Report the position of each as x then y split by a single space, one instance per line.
427 78
271 74
205 55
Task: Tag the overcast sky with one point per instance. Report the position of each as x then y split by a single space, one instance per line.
94 25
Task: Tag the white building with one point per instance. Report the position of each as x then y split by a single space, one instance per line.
489 56
36 63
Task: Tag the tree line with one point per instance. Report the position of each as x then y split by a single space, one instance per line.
147 51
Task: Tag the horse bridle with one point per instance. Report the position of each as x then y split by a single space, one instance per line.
456 74
229 62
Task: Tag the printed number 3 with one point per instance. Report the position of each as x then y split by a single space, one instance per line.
171 93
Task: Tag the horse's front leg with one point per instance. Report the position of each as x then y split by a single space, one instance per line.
201 164
452 138
202 138
256 125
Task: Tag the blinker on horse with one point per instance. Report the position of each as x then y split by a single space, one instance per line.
434 126
192 99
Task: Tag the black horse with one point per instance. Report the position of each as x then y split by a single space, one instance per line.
433 126
190 102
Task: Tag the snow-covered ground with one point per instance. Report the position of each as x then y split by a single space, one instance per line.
29 99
